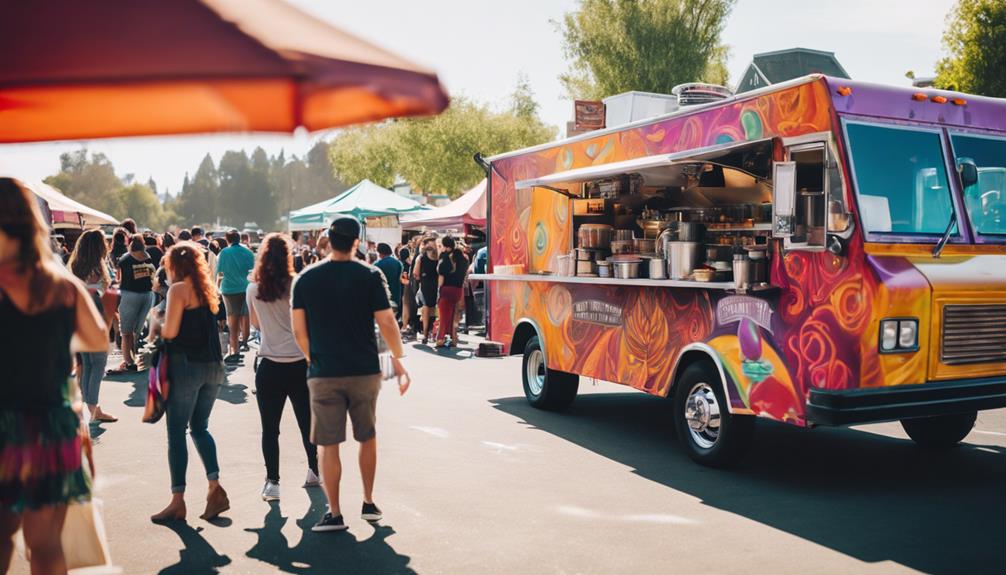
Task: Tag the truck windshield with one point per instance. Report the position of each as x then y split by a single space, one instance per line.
985 201
901 179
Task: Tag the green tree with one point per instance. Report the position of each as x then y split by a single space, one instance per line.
140 202
974 40
234 175
435 154
89 179
197 202
649 45
260 202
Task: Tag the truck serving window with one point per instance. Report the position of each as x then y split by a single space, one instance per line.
901 179
985 201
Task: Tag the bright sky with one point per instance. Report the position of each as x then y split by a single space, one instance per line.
478 47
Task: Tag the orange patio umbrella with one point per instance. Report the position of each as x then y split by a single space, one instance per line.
74 70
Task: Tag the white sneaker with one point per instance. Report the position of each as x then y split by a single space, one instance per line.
312 480
270 491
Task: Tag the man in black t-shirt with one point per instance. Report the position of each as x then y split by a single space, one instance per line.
335 304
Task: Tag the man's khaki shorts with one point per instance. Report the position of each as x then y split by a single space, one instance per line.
333 397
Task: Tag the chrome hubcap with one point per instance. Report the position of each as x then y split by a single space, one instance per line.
702 412
535 372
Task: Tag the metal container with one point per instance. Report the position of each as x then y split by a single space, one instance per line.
585 267
566 265
626 269
645 245
690 232
622 235
759 266
604 269
622 246
658 269
742 271
595 236
584 255
682 257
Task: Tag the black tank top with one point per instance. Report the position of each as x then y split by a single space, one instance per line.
198 337
427 272
35 356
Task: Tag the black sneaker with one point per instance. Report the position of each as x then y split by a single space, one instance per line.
371 512
329 523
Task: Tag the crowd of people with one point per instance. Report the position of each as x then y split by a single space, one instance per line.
196 298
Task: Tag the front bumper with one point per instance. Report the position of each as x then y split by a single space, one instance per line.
826 407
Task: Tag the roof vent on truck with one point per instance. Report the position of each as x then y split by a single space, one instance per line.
696 93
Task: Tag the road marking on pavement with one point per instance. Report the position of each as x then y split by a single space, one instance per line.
661 518
499 447
999 433
434 431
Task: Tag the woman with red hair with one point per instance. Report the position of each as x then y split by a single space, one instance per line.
196 370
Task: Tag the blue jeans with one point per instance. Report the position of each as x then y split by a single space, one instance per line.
193 391
92 368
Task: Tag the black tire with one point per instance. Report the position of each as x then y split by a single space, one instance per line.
941 431
553 390
713 445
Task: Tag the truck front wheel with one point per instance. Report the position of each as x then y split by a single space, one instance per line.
546 388
710 434
941 431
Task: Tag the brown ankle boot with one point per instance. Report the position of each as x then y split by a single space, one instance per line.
216 503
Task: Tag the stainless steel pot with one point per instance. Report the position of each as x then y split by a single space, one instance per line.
645 245
682 257
690 232
622 235
622 246
626 269
595 236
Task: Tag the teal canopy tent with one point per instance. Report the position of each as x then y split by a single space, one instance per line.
364 200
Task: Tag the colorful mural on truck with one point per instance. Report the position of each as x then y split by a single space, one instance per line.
818 329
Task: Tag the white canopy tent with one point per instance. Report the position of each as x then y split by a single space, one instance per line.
65 212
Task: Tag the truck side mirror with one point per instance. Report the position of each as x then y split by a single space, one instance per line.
968 172
783 198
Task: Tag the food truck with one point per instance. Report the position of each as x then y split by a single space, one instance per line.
818 252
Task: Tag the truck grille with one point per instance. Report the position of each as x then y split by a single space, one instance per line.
973 334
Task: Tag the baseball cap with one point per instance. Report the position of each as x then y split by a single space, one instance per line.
345 226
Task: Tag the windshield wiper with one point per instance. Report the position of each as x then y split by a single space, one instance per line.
946 235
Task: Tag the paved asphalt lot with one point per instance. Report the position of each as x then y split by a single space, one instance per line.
473 480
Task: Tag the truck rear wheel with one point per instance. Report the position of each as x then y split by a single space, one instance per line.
941 431
710 434
546 388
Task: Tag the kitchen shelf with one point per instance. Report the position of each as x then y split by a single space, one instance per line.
638 282
762 227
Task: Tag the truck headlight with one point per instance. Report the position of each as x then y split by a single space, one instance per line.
898 335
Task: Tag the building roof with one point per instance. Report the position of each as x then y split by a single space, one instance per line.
783 65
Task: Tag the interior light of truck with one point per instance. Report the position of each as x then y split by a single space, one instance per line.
939 99
889 334
959 101
919 97
908 334
844 90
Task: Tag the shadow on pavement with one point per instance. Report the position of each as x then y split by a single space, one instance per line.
198 557
868 496
138 396
233 393
457 352
339 552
